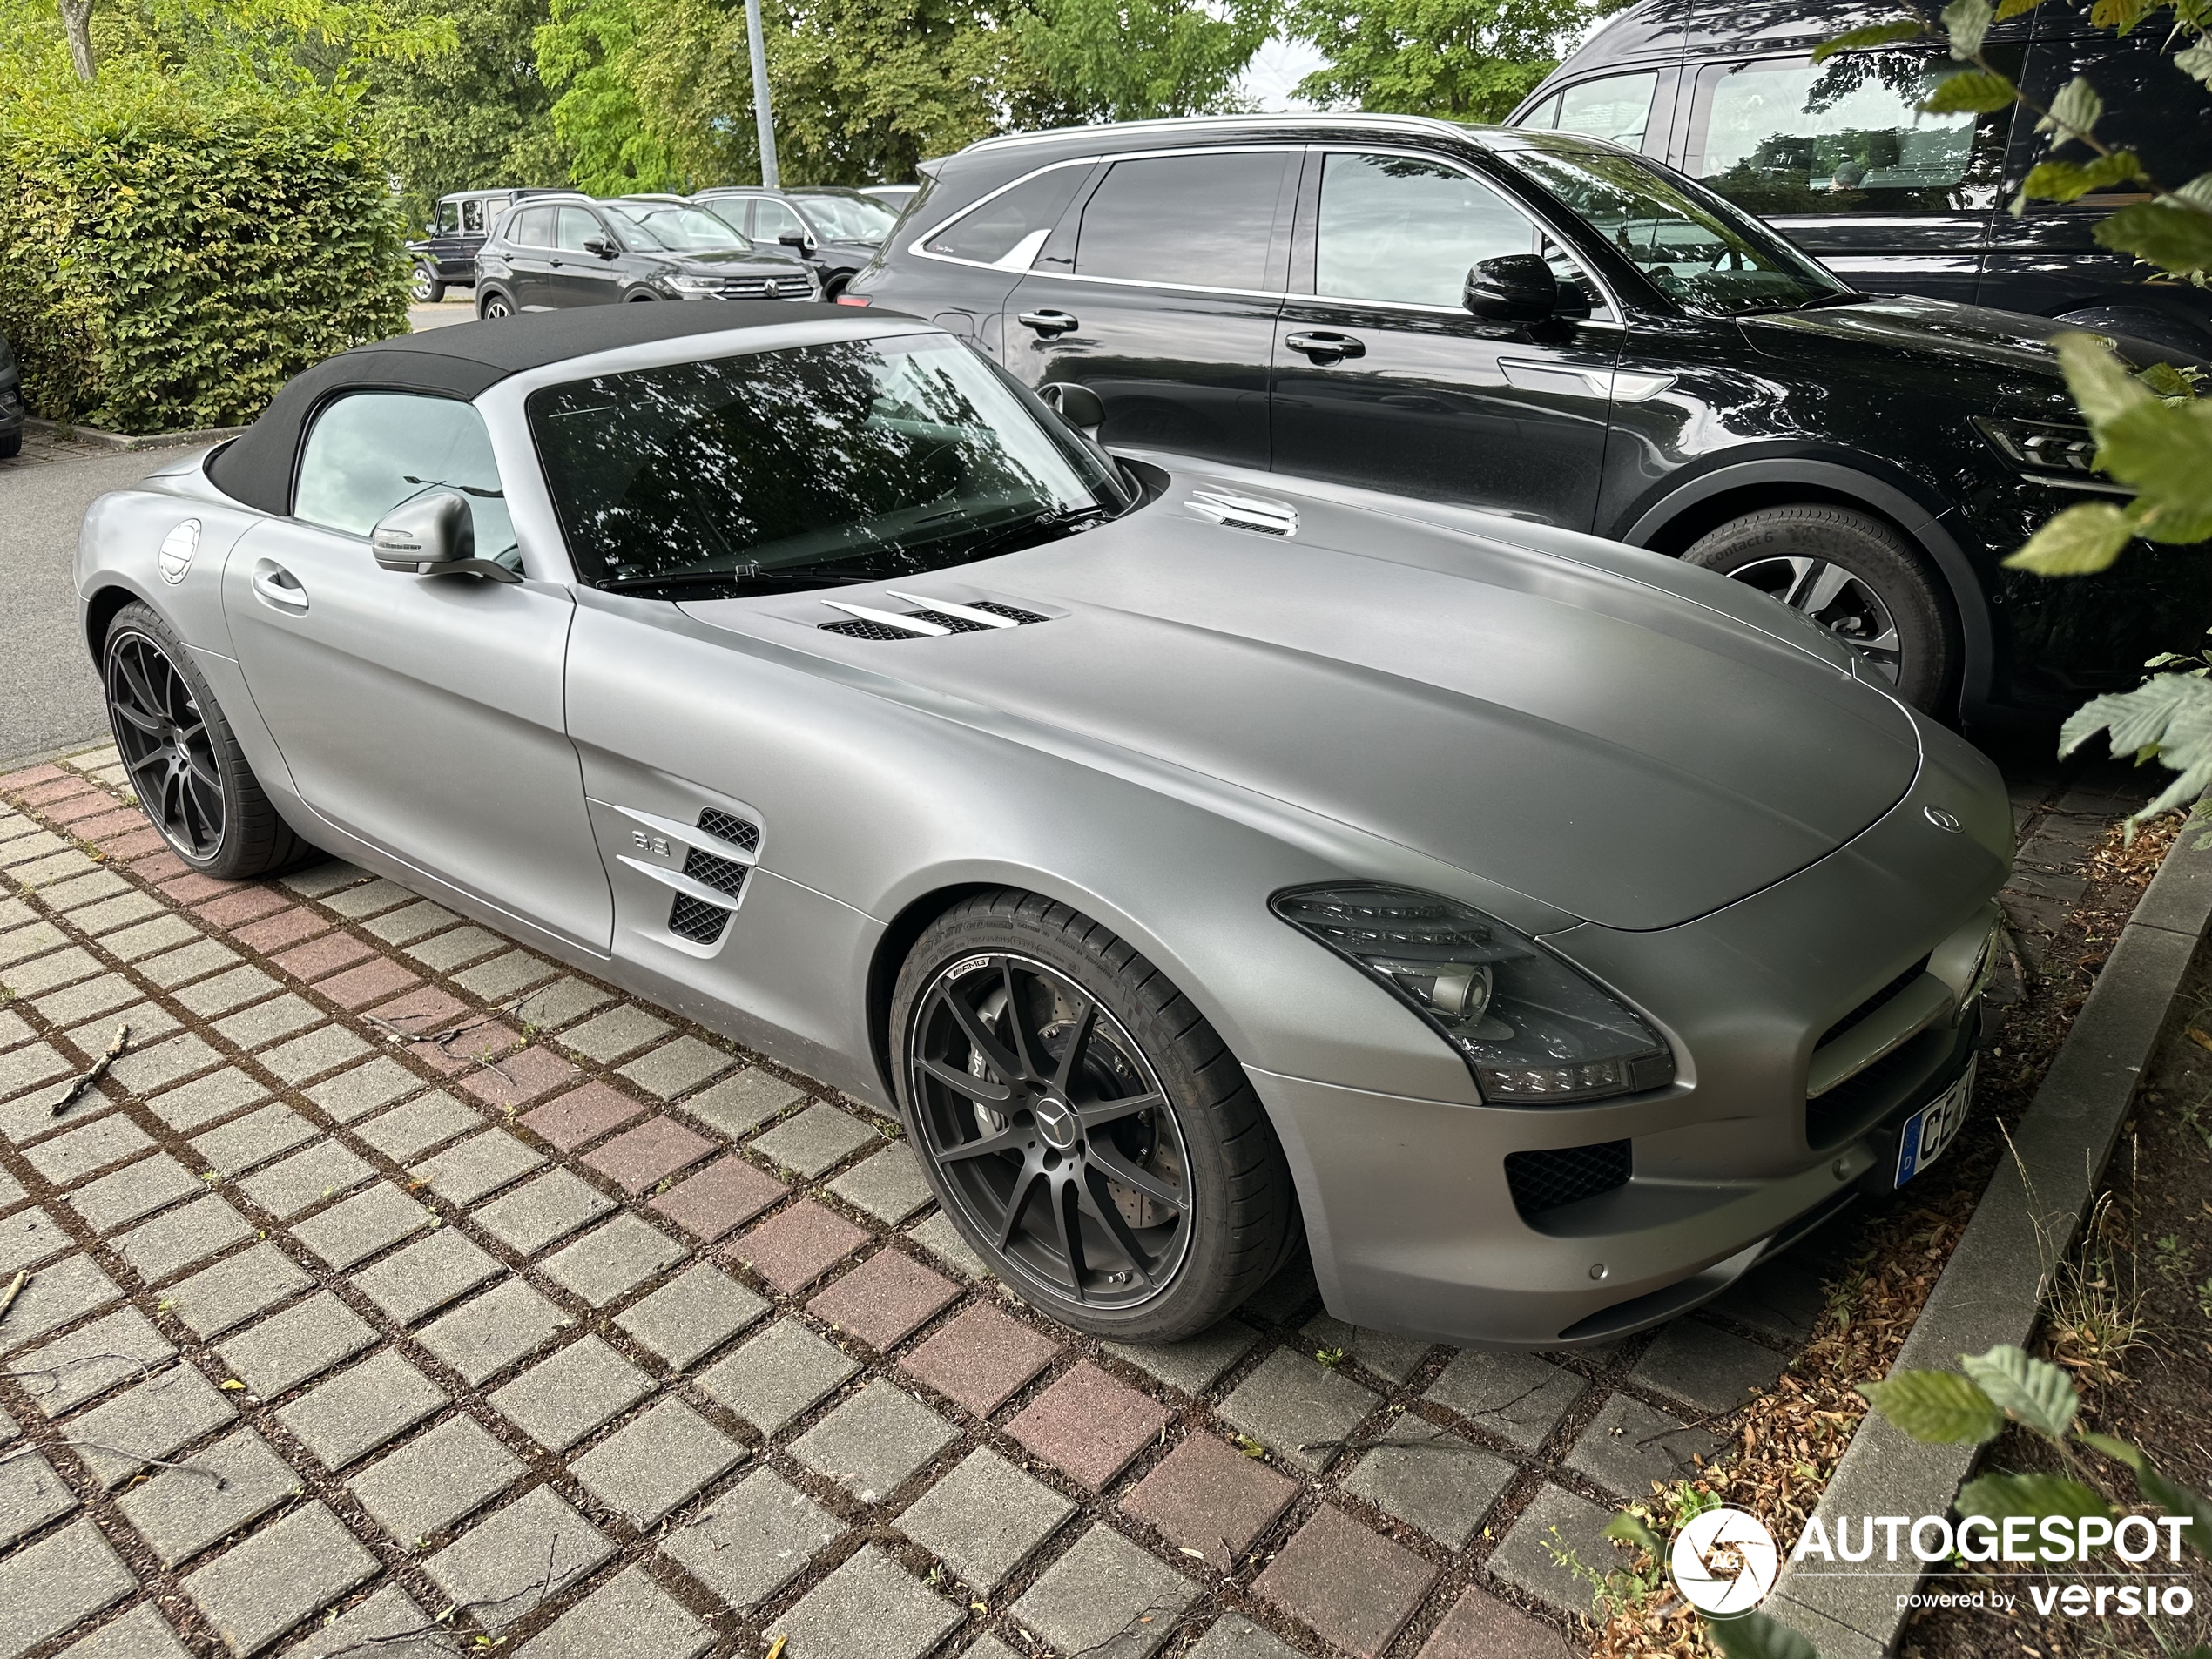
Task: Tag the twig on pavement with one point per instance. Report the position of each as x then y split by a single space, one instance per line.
93 1073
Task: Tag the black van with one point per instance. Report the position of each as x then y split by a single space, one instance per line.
1837 157
447 257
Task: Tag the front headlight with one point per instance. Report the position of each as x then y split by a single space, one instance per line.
1532 1029
695 284
2041 446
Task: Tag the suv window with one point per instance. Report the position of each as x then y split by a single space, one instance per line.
1400 228
1617 107
472 213
447 219
368 452
1201 221
533 228
1010 228
773 220
578 226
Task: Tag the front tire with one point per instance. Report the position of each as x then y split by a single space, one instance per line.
1089 1133
425 289
1855 575
190 774
492 305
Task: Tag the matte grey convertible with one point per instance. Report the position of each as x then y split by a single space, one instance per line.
1195 860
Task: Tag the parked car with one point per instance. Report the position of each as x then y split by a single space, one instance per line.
571 251
447 257
13 412
839 230
1545 325
1565 927
1839 157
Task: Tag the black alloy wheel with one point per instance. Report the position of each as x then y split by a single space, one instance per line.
165 745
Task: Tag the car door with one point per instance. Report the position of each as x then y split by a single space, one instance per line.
1381 376
579 276
422 714
1164 299
529 256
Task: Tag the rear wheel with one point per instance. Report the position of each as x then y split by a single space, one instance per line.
1855 575
424 288
1085 1128
491 304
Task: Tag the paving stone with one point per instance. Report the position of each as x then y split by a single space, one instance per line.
739 1104
884 1299
1090 1423
725 1194
370 978
235 1288
281 929
540 1211
610 1035
503 975
889 1186
1196 1363
226 991
265 1586
485 1336
647 1467
186 1235
316 881
266 1022
117 1200
447 951
29 1237
446 1472
1097 1600
778 1375
304 1180
21 944
206 1099
1556 1520
581 1115
1352 1586
148 1021
14 1028
691 1315
355 1412
140 1633
612 1260
496 1568
558 1401
148 938
117 1347
1444 1485
1479 1626
561 1003
656 1149
170 1409
1396 1358
819 1138
357 1229
522 1077
1705 1366
629 1617
677 1068
70 1157
1515 1395
404 1131
1207 1495
237 910
942 1240
870 1608
180 1512
288 1348
10 1189
326 957
351 1096
311 1056
87 999
353 902
54 1296
56 1583
1630 1445
31 1495
145 1071
1235 1636
255 1138
481 1164
109 914
796 1246
23 1069
426 1275
984 1517
378 1629
412 921
874 1440
49 972
177 967
753 1540
981 1359
56 867
1300 1410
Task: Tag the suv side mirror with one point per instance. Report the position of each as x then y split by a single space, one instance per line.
1514 287
600 245
1079 406
435 534
789 240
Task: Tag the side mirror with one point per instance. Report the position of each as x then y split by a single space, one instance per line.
801 242
1079 406
1514 287
600 245
433 534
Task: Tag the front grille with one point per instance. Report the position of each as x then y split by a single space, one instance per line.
1008 611
695 920
1863 1098
1872 1004
724 875
1565 1175
730 827
858 630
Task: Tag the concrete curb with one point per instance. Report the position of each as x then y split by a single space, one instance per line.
123 443
1991 1290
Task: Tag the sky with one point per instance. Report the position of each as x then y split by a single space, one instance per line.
1275 69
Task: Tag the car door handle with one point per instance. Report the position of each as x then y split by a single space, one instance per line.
1050 323
1326 347
275 586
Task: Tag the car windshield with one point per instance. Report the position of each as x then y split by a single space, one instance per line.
1702 250
848 462
680 230
848 218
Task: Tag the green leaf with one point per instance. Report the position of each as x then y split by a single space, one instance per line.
2015 8
2080 541
1996 1496
2131 1455
2176 1500
2168 381
1940 1407
1873 34
1754 1636
2196 61
1629 1529
1966 22
2102 386
2169 233
2063 181
2034 1391
2075 111
1977 89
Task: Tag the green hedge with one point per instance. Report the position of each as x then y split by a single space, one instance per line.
174 255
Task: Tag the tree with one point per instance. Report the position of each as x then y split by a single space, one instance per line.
471 118
1462 60
1138 60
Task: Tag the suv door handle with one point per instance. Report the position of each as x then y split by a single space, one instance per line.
277 587
1050 323
1325 347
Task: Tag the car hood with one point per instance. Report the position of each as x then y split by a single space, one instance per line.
722 262
2011 348
1569 730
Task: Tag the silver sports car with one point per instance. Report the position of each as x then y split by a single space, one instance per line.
1195 860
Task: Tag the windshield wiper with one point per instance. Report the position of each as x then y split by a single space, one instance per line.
1051 519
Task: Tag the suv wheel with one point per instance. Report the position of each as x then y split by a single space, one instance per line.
492 303
1856 577
425 289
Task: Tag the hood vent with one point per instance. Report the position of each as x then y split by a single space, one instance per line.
932 620
1245 512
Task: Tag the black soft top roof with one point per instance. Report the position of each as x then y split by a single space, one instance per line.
461 361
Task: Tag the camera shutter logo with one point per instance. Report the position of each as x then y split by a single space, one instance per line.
177 549
1725 1562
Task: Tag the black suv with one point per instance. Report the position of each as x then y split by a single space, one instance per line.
547 254
447 257
1837 156
1549 326
838 230
12 410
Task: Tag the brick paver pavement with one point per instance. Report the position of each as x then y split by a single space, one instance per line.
398 1279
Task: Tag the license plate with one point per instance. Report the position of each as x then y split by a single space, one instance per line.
1931 1129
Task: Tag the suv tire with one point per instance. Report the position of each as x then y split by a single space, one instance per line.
424 288
1856 576
492 304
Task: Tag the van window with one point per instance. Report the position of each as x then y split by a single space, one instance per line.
1616 107
1010 228
368 452
1201 221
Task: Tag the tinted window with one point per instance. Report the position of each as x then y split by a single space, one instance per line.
1011 226
1204 221
577 227
1396 227
472 213
796 470
772 220
533 228
448 217
369 452
1617 107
